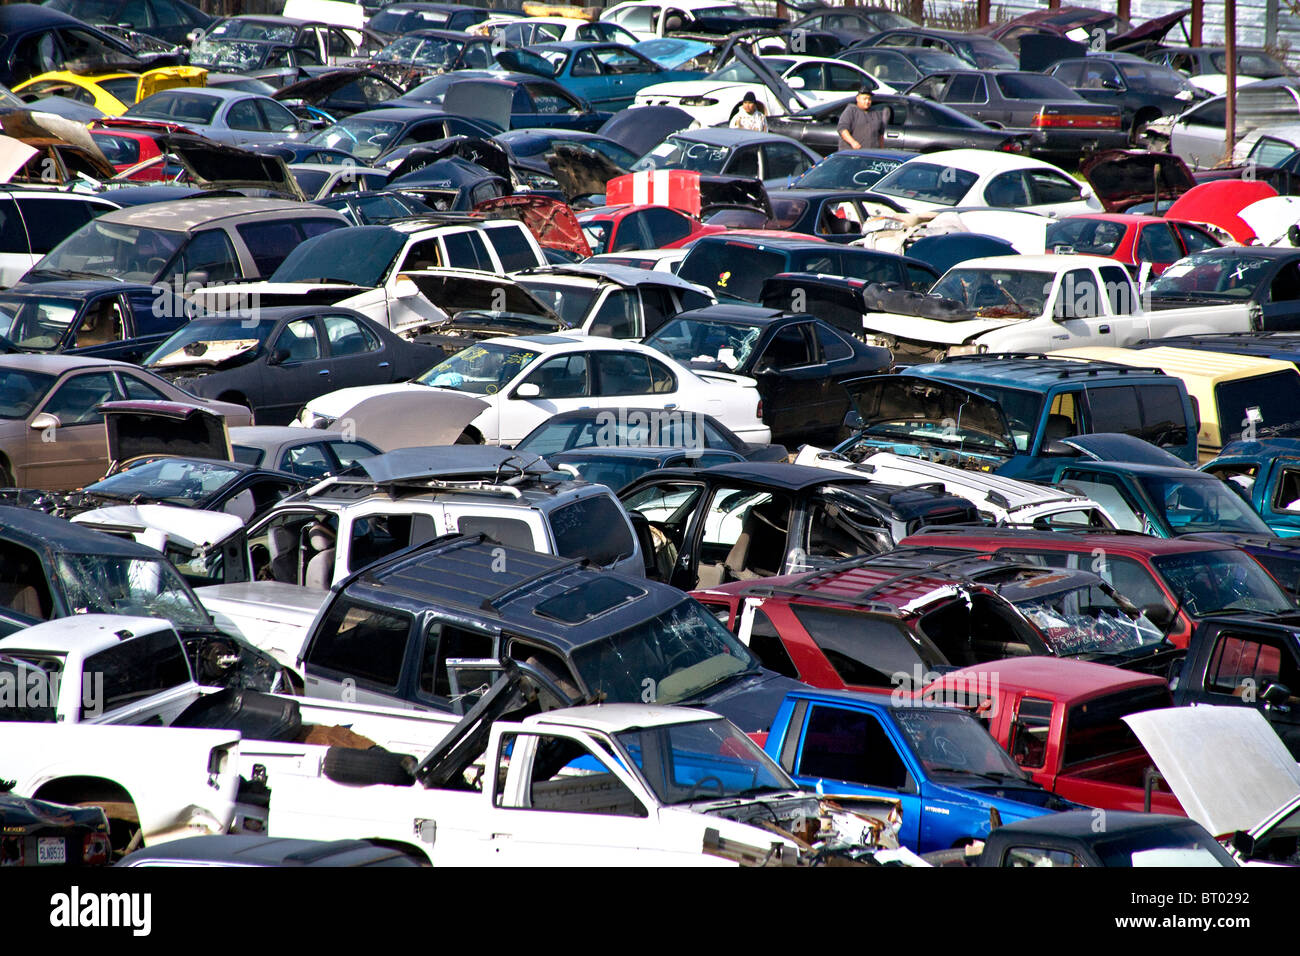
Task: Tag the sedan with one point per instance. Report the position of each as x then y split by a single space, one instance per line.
279 358
853 169
773 158
593 428
227 116
981 52
525 381
308 454
51 430
853 23
900 67
606 75
911 123
969 177
372 134
1131 239
799 362
1142 90
414 56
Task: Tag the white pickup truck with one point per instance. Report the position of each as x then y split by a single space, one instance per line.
1034 304
104 710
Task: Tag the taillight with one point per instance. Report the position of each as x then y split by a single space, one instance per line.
1012 146
13 851
1044 120
94 849
759 411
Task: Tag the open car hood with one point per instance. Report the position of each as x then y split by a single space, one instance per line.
1149 33
672 52
550 221
642 129
521 61
136 428
413 417
1226 765
733 191
212 165
1218 203
1271 218
14 155
1125 177
480 99
185 526
456 291
487 153
783 92
316 88
169 78
926 401
581 171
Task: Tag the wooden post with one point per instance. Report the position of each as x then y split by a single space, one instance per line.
1270 24
1122 9
1230 56
1198 19
982 10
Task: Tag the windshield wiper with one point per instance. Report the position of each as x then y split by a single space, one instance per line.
997 776
74 273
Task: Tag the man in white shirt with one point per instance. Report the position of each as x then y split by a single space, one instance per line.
750 116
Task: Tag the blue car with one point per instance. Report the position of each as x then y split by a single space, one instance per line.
1267 474
606 75
942 765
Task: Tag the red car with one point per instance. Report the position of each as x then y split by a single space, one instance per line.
128 143
624 228
1129 238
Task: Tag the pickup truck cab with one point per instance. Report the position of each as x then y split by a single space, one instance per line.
1020 416
1061 722
950 776
1267 474
1032 304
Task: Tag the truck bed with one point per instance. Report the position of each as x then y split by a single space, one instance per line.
1116 783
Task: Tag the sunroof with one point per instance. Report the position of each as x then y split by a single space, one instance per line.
588 600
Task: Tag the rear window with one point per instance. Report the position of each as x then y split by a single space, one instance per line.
131 671
362 642
865 650
594 528
732 269
1269 401
513 249
1021 86
1095 730
927 182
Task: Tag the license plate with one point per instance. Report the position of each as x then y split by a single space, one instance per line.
51 850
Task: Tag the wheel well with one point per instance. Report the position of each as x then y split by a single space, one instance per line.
473 434
406 849
83 790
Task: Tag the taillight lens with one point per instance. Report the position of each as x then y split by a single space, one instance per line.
759 411
94 849
1073 121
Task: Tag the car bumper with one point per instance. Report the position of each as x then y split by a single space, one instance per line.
1070 143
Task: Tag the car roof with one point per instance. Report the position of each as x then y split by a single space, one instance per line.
184 214
75 287
86 633
777 475
56 364
208 92
983 160
1197 367
612 718
1060 539
725 136
1082 824
621 275
1021 371
1064 679
256 850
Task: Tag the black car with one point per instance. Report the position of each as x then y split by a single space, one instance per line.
1056 121
1142 90
754 520
422 53
505 101
900 67
170 20
1264 276
852 169
336 92
911 123
374 133
278 359
981 52
594 429
36 40
798 360
399 19
530 147
91 317
373 208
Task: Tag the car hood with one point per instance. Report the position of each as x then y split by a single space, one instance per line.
880 398
169 78
671 53
1110 446
1125 177
1151 32
936 331
642 129
316 88
749 701
14 155
550 221
454 291
216 166
488 154
581 171
1219 203
150 524
1271 218
406 416
1226 765
138 428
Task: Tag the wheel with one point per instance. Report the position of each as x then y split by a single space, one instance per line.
1138 131
376 765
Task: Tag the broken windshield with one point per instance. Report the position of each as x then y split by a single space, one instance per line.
691 340
667 660
142 587
1000 293
481 369
1088 620
910 409
211 342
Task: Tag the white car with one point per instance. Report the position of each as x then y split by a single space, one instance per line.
978 178
647 19
713 99
1197 135
31 224
528 31
527 379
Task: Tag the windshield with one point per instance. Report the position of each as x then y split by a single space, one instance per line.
707 760
481 369
1210 582
1088 620
596 232
111 584
237 28
1001 293
678 152
689 340
844 170
1204 274
1201 502
952 742
177 107
426 51
358 256
1159 79
673 657
1250 64
1186 845
1271 402
927 182
1094 237
108 250
232 55
363 137
570 302
909 409
211 341
20 391
37 323
176 481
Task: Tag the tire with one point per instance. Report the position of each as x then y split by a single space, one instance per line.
376 765
468 437
1137 132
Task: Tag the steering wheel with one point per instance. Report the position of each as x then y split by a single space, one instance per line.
703 780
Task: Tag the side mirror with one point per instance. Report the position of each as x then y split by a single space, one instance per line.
528 390
1159 613
305 126
1275 695
278 357
795 83
193 35
43 421
1112 85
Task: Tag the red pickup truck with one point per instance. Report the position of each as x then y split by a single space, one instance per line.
1060 721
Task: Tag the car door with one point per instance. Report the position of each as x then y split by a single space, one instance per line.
1080 312
1243 664
102 328
356 354
1198 134
245 122
626 379
1121 303
588 80
670 508
298 370
791 380
562 383
69 449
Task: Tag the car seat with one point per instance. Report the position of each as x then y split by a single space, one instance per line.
320 568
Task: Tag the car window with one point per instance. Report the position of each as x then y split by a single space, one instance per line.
50 221
269 242
309 461
789 348
347 336
784 159
549 101
1007 190
595 528
833 347
1078 298
1046 186
509 532
138 390
208 257
1119 289
275 117
362 642
852 746
1194 238
13 237
76 399
466 250
299 339
617 315
512 248
623 373
565 376
245 115
1240 663
744 162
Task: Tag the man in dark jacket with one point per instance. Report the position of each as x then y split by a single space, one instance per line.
859 127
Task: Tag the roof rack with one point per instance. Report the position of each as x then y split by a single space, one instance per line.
417 485
493 602
1020 530
1072 366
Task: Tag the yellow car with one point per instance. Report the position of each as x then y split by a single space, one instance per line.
110 93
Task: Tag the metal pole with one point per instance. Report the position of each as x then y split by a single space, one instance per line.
1122 9
1230 55
982 9
1198 19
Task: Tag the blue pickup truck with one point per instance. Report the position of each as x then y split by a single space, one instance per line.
1267 474
939 761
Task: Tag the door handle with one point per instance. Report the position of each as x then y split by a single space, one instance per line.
323 371
1104 330
384 364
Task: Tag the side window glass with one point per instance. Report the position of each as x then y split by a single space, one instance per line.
299 339
851 746
363 642
76 399
1029 730
565 376
566 777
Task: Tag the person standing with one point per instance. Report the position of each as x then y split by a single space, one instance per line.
859 127
750 116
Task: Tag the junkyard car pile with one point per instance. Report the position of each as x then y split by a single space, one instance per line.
440 435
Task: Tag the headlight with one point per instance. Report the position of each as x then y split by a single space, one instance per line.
698 101
880 341
966 350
